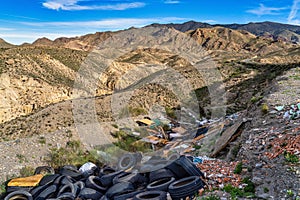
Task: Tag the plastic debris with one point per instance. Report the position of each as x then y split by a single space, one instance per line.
279 108
87 167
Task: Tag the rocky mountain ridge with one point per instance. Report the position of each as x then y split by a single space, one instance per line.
276 31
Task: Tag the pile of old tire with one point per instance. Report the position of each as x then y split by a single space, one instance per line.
178 179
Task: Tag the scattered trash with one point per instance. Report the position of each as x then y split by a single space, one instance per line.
279 108
227 136
30 181
87 167
110 183
290 112
144 122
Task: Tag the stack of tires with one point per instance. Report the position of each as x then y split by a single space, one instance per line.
177 179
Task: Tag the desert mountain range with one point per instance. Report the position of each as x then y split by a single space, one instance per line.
38 75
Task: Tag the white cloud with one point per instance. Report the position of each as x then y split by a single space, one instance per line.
292 18
171 2
263 10
209 21
6 29
75 5
118 23
53 30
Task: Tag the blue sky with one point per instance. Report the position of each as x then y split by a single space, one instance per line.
26 20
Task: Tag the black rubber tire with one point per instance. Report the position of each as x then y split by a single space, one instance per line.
160 174
44 170
128 195
94 182
126 161
186 187
89 193
189 166
161 185
75 174
66 196
39 189
173 156
66 180
177 170
107 180
48 192
48 179
157 162
135 178
104 198
120 177
70 167
58 180
138 156
145 168
10 189
19 195
80 185
119 188
68 188
107 170
151 195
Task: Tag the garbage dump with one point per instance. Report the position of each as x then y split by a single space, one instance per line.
173 174
179 178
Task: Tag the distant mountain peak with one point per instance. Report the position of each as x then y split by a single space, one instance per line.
4 44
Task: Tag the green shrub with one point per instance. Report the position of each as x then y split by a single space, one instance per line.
238 192
136 111
170 112
129 142
2 189
71 154
291 158
115 125
26 171
238 168
264 108
266 190
21 158
255 99
42 140
250 185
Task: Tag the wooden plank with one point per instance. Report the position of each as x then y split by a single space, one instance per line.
227 137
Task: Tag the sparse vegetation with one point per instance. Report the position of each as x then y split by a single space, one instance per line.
115 125
129 142
290 193
291 158
136 111
170 112
236 150
250 185
255 99
238 192
266 190
238 168
42 140
21 158
2 189
26 171
264 108
71 154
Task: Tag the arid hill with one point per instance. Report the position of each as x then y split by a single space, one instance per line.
271 29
